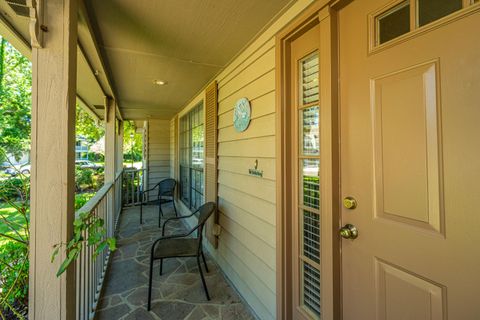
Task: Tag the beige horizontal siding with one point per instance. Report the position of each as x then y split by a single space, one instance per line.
235 273
259 67
260 208
158 151
263 147
247 211
238 165
254 279
265 83
251 185
248 238
262 230
261 106
259 127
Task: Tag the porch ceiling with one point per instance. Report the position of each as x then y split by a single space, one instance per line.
182 42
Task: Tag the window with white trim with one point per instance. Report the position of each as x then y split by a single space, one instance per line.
191 158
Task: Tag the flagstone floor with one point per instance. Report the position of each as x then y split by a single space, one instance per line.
177 294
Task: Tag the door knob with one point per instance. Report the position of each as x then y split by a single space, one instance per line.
349 231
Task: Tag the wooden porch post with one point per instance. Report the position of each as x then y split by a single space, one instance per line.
53 161
145 151
121 131
110 156
110 140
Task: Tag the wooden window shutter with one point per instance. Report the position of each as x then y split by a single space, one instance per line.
211 159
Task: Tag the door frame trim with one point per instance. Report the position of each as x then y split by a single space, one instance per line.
317 13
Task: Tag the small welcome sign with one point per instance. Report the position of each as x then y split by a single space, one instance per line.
255 171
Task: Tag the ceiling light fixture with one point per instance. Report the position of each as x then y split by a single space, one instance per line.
159 82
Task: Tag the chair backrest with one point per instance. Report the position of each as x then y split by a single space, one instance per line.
205 211
166 187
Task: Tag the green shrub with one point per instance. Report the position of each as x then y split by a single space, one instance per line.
88 179
14 188
83 179
82 198
98 180
14 272
95 157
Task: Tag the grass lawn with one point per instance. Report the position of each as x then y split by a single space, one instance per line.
16 220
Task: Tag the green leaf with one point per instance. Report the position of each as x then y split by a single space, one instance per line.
112 244
100 248
66 263
93 227
77 222
55 253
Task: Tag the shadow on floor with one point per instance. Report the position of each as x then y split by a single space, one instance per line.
177 294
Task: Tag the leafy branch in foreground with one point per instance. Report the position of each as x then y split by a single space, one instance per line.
14 241
88 231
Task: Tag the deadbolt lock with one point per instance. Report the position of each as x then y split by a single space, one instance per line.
349 203
349 231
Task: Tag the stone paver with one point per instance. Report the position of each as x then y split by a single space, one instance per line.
177 294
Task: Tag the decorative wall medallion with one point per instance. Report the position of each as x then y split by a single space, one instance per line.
241 115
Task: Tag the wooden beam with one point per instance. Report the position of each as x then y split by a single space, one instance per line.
83 11
53 162
88 109
91 68
14 37
23 45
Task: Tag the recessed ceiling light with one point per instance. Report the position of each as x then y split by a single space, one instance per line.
159 82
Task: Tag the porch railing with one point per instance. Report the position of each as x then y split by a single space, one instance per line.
133 180
90 271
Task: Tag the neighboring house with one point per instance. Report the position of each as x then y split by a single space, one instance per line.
82 148
363 142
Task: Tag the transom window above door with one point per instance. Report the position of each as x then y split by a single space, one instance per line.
405 16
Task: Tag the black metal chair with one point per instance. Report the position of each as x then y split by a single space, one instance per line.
179 246
166 193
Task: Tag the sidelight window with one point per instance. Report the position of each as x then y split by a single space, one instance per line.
309 184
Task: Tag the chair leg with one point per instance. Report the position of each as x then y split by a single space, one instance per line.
203 279
205 262
175 208
161 266
150 285
141 212
160 214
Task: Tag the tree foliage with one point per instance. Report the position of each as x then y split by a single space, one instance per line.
132 142
87 127
15 100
